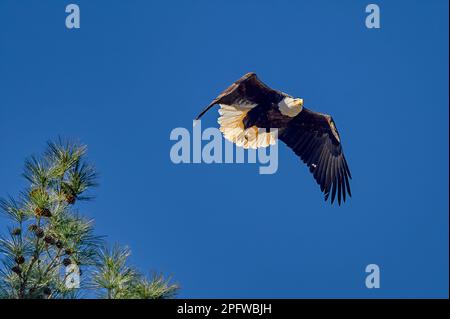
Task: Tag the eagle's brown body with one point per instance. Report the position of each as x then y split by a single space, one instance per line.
249 109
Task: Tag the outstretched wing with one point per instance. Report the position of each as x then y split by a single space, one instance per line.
247 90
314 137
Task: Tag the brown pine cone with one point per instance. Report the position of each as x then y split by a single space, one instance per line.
70 199
46 212
39 232
47 291
49 240
16 269
38 211
19 259
16 232
67 262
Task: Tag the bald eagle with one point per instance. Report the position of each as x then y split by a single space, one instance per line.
249 109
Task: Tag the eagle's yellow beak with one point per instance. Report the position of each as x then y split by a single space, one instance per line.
299 102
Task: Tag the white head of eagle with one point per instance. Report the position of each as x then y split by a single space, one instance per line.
290 106
249 109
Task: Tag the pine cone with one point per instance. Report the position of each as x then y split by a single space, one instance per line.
59 244
38 211
70 199
47 291
49 240
68 251
67 262
39 232
46 212
16 232
19 260
16 269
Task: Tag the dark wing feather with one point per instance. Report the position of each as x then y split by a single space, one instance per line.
248 89
315 139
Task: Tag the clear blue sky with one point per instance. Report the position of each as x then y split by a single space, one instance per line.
137 69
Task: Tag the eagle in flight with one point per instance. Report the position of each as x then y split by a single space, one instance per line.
249 109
